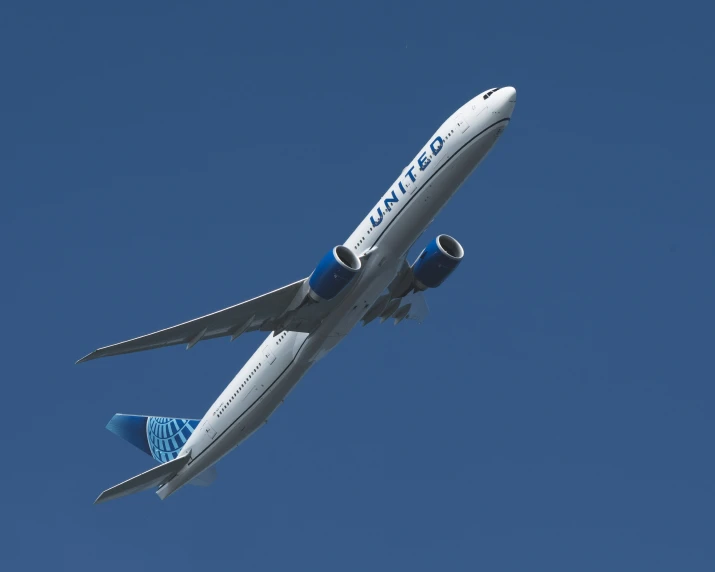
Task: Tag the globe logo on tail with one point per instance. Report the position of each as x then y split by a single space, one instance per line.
166 436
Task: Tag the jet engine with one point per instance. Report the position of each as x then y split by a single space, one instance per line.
436 262
333 273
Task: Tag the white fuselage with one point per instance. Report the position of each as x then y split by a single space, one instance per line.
396 222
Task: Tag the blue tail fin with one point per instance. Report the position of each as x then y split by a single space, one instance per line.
160 437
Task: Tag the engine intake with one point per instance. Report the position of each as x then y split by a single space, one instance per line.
436 262
333 273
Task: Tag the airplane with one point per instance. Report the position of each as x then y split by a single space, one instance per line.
365 278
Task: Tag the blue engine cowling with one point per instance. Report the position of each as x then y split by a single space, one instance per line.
437 261
333 273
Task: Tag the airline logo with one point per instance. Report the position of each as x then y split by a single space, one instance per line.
422 162
166 436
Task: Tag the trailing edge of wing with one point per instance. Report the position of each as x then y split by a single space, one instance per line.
254 314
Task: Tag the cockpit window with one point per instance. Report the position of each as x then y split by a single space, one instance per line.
486 95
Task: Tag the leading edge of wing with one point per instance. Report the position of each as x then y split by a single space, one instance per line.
216 324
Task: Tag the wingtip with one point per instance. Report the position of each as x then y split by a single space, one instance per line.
88 357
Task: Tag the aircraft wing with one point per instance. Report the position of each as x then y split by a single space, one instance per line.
413 306
266 313
401 300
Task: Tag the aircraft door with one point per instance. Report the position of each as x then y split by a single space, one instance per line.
462 123
268 354
208 430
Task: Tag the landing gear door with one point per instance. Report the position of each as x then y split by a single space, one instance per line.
268 354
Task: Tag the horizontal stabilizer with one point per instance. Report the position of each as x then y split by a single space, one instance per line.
205 477
147 480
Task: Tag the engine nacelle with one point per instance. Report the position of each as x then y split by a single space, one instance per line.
437 261
333 273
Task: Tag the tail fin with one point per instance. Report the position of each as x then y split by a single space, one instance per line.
160 437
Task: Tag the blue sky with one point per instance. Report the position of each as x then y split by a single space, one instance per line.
162 160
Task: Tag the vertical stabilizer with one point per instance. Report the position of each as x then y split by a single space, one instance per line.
160 437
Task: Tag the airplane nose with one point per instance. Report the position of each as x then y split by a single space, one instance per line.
508 95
